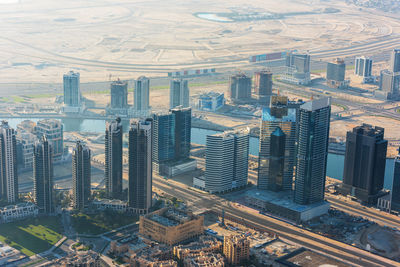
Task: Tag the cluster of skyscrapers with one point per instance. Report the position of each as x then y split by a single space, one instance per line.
294 134
389 82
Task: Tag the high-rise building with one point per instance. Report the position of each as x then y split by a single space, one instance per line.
226 161
335 74
26 141
142 94
363 67
8 164
263 83
389 84
395 193
277 146
164 138
312 152
140 166
43 176
53 130
298 69
183 129
81 176
236 249
240 87
395 60
178 93
365 161
72 93
119 95
113 159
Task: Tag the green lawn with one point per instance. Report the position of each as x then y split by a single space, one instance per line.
33 235
99 223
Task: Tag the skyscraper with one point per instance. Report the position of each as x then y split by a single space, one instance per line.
119 95
43 176
113 159
298 69
81 176
72 93
389 83
8 164
263 83
141 95
313 138
395 193
240 87
178 93
53 130
395 60
365 161
183 128
335 74
164 139
363 67
140 166
277 146
226 161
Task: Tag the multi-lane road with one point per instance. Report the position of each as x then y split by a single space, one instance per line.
200 201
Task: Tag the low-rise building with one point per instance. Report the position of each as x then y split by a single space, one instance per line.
107 204
211 101
171 226
81 259
204 259
205 244
236 249
18 212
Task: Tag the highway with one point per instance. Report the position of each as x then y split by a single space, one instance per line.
200 201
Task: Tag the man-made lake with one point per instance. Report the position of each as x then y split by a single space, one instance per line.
335 162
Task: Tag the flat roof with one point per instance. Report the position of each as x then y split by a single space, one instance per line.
282 198
307 258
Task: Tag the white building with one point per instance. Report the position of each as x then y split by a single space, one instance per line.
18 212
8 173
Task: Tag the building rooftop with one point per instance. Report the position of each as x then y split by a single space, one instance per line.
316 104
19 205
290 117
283 198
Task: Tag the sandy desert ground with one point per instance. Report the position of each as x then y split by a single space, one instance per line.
41 40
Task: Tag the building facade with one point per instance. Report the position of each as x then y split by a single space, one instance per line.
113 159
26 141
211 101
72 92
140 166
119 95
395 193
8 164
363 67
81 176
142 94
312 152
389 84
179 93
171 226
365 161
263 83
183 130
395 60
164 138
43 176
236 249
53 130
240 87
297 69
335 74
226 161
277 146
17 212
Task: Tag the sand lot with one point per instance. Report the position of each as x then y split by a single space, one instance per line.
101 39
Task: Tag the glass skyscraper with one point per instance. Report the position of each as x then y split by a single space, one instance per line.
113 159
81 176
178 93
277 146
141 94
164 137
313 138
72 93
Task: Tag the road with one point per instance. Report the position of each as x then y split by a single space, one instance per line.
199 201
